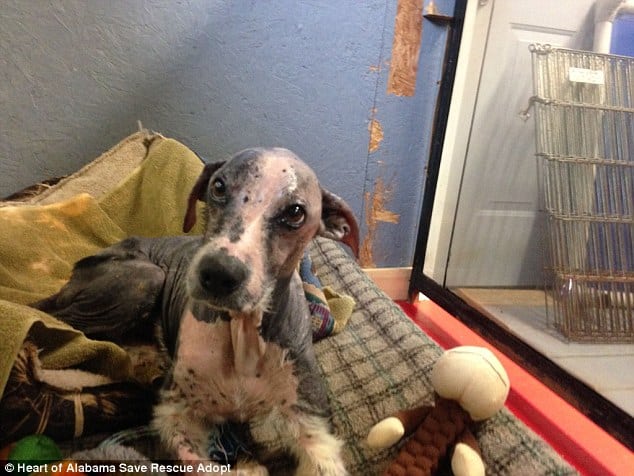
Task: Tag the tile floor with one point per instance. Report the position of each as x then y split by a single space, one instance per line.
608 368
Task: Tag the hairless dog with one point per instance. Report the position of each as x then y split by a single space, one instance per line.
230 304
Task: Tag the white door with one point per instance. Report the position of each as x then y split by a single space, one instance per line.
497 236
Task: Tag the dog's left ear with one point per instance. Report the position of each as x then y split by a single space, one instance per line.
198 193
338 221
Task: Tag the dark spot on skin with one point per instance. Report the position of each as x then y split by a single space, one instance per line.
191 372
225 317
215 221
236 230
187 444
283 402
214 402
245 199
261 402
202 313
244 164
258 375
223 395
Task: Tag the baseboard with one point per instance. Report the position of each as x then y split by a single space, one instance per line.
392 281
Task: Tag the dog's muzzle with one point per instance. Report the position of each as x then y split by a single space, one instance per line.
219 277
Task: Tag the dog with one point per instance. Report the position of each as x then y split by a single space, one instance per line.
231 308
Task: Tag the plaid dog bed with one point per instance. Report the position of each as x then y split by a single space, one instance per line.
380 362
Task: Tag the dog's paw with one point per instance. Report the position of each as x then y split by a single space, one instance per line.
250 468
325 467
335 469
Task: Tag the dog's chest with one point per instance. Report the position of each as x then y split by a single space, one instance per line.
222 380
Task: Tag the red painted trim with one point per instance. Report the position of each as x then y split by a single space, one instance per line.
581 442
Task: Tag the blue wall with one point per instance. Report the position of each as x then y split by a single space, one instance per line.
221 76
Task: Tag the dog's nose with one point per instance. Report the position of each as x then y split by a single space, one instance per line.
220 274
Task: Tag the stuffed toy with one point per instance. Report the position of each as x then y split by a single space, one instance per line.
471 385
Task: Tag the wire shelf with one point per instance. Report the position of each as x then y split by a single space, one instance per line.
604 80
584 111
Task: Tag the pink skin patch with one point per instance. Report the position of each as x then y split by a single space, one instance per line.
226 371
248 346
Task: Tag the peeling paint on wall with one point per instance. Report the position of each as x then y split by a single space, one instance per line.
376 135
375 213
408 30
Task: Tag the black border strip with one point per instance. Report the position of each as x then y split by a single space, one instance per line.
441 116
597 408
600 410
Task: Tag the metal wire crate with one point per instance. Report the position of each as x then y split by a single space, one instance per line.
584 110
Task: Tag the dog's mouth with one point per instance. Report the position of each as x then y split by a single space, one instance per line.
248 345
237 303
235 307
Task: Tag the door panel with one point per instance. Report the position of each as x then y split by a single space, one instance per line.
497 232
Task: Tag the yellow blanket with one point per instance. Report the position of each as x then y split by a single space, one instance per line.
40 243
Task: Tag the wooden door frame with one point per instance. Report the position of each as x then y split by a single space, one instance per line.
472 48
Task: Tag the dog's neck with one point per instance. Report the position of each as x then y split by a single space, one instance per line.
252 331
287 322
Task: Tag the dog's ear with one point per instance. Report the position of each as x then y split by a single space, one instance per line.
338 221
198 193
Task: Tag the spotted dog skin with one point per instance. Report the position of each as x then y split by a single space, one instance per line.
230 305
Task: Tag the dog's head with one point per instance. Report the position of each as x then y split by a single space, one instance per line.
263 206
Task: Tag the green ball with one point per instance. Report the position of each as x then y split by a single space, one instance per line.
36 449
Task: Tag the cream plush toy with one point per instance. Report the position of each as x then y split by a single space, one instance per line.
471 385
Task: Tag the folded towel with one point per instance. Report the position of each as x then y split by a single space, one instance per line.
40 243
152 200
39 246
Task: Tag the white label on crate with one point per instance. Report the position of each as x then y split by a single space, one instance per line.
582 75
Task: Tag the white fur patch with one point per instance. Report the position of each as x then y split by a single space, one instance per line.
318 451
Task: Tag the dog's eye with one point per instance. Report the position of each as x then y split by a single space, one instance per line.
294 216
218 190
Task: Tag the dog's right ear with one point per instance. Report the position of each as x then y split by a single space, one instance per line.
198 193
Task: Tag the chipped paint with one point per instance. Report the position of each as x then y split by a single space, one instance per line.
408 30
376 135
375 213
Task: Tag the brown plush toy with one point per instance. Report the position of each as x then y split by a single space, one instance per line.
471 385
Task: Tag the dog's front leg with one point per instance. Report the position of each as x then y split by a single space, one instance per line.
317 450
185 437
188 440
